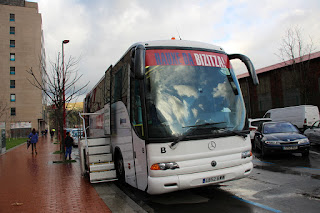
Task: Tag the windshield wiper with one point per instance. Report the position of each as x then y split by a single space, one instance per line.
194 127
203 125
180 138
243 133
232 84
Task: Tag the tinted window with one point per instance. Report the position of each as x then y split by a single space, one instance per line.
257 123
119 80
271 128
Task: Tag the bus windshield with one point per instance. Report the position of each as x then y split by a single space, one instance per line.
181 97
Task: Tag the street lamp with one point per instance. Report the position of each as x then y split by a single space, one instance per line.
63 90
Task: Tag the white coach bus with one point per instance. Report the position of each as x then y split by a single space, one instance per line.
168 116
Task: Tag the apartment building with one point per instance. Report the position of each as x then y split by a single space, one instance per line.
21 48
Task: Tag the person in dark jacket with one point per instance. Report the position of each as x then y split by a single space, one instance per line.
33 136
69 143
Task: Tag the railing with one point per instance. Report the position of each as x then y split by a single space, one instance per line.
84 125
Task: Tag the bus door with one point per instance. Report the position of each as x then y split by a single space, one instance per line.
139 147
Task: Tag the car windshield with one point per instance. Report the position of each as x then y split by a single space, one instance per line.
182 97
272 128
258 123
316 124
75 133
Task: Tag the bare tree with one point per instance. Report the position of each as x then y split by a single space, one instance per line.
73 117
56 82
295 53
3 108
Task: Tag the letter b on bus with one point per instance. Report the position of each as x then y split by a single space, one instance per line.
163 150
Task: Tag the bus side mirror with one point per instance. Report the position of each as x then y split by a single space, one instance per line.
248 64
139 62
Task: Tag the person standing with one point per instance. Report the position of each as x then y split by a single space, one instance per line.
69 143
33 136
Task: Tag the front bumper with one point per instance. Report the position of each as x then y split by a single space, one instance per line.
301 148
160 185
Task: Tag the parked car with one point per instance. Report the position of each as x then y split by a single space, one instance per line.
281 137
313 133
76 134
302 116
68 129
254 124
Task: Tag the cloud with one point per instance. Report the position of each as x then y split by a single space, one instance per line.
184 90
101 31
222 90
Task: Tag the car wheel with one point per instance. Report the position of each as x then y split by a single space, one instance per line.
120 168
305 154
255 147
263 151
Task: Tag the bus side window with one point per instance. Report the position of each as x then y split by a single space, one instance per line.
118 86
136 108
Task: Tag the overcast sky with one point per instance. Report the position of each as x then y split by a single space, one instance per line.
100 31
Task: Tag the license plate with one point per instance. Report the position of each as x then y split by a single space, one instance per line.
213 179
290 147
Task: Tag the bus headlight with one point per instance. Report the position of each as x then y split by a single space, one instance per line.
246 154
164 166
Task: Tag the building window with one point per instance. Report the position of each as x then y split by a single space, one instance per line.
12 84
12 17
12 70
12 30
13 97
12 56
13 111
12 43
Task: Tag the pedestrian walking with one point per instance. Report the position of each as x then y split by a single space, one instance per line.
33 136
69 143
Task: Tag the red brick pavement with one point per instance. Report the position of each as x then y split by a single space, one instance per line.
33 183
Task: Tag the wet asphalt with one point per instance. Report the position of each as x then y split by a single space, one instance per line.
278 183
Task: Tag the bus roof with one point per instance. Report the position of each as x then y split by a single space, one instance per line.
178 43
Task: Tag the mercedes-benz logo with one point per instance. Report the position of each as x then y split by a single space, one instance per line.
212 145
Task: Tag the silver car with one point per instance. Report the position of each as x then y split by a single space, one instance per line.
254 123
76 134
313 133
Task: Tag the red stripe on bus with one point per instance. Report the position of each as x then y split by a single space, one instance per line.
186 58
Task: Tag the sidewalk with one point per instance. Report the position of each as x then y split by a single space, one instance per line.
33 183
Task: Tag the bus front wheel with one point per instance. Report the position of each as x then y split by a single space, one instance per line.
120 167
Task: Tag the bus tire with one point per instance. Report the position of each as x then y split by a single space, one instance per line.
120 167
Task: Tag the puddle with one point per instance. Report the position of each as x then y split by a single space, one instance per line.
285 170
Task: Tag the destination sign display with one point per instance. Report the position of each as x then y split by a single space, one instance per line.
186 58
